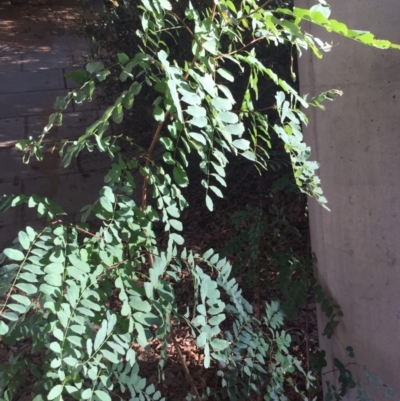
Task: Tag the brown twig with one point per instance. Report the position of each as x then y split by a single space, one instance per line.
157 134
182 22
307 312
213 11
243 47
335 370
255 111
257 10
87 232
149 153
185 368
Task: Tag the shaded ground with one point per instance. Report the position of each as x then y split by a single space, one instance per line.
38 45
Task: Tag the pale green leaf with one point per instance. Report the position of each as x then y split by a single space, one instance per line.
108 193
199 122
71 361
141 336
53 279
190 97
86 394
23 239
201 339
100 335
78 329
226 74
180 176
55 268
198 138
147 318
103 396
211 46
55 347
249 155
89 346
176 224
150 389
75 340
242 144
110 356
55 363
219 344
10 316
13 254
21 299
209 203
228 117
18 308
59 334
235 129
106 204
216 190
29 289
173 211
177 238
79 263
55 392
3 328
221 104
216 320
207 359
196 111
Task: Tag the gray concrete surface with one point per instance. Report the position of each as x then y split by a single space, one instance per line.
38 44
357 142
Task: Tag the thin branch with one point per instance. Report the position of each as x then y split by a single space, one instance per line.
335 370
182 22
243 47
87 232
213 11
255 111
185 368
257 10
149 153
307 314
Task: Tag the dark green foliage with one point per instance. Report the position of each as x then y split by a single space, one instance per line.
331 310
84 293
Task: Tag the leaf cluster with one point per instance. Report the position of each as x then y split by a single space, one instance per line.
88 295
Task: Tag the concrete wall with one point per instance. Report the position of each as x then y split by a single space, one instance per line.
357 142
